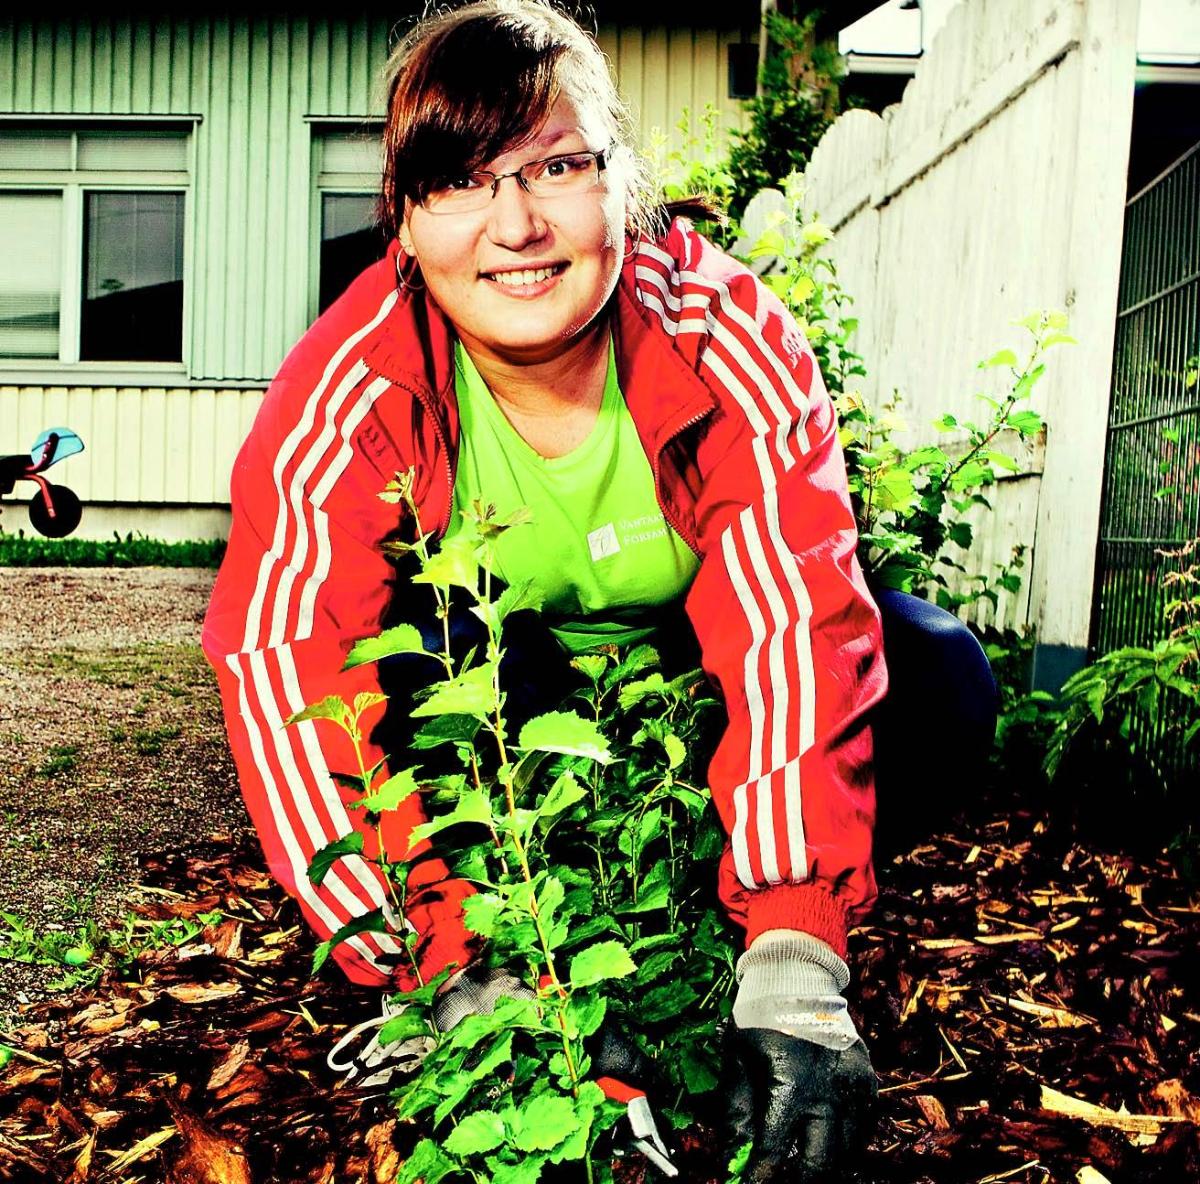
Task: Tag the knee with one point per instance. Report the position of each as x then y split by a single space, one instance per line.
932 654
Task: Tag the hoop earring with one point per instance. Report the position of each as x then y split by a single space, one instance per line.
633 247
404 281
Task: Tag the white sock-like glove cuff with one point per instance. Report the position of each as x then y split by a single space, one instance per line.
792 982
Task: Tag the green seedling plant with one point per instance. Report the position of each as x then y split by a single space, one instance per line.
581 836
1148 695
909 503
84 952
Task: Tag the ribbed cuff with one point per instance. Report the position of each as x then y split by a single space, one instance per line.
792 982
786 962
803 907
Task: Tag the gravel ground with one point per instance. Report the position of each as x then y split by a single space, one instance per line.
112 746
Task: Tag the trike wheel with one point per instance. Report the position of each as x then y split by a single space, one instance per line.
68 510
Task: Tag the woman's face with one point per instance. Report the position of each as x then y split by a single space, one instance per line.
472 263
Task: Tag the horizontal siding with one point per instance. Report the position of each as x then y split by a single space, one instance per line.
256 83
156 445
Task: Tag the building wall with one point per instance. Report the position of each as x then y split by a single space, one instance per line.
995 187
258 86
162 441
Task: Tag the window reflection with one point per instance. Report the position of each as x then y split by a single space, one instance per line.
133 277
350 241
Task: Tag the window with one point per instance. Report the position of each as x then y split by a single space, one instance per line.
92 234
347 169
743 69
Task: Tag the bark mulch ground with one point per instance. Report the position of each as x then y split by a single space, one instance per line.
1031 1008
1031 1002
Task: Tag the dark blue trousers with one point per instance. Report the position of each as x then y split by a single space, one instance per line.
933 731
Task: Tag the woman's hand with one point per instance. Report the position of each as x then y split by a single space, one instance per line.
806 1110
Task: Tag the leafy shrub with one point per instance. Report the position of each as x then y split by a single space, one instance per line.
20 550
792 111
1132 718
591 843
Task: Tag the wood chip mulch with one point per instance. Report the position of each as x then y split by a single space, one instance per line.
1031 1006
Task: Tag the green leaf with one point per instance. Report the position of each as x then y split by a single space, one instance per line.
323 860
475 1134
960 534
446 729
517 597
605 960
544 1122
480 912
408 1024
1028 423
391 793
470 693
929 455
1005 357
947 423
331 707
1000 460
638 659
562 795
400 639
676 752
585 1012
528 1171
473 806
590 665
575 1146
1058 339
453 565
365 700
668 1001
632 693
654 896
565 732
427 1164
372 922
894 490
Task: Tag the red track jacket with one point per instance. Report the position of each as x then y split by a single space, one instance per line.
742 440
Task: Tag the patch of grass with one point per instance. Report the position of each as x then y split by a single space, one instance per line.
162 668
60 760
84 950
150 741
17 550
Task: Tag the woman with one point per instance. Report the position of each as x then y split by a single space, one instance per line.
535 334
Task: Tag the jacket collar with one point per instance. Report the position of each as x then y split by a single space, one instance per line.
415 350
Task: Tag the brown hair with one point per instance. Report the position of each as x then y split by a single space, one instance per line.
467 84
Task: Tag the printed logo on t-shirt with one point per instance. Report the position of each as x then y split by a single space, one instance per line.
603 542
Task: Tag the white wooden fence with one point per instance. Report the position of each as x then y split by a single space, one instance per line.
997 186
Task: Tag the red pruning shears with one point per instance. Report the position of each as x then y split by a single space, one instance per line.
646 1138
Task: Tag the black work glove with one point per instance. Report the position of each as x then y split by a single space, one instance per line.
807 1110
799 1081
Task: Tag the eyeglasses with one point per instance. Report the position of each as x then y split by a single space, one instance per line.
556 176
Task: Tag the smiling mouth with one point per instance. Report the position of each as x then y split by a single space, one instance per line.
526 277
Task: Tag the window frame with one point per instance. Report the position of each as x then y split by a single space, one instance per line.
72 184
339 184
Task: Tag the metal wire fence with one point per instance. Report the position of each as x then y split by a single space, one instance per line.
1152 470
1151 499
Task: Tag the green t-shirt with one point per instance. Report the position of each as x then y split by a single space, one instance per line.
598 548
